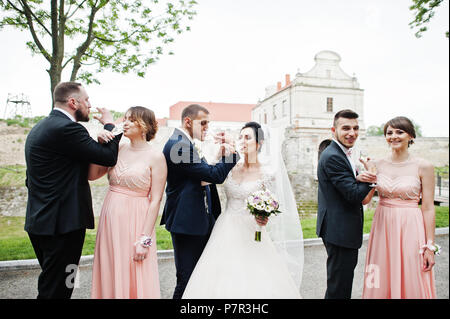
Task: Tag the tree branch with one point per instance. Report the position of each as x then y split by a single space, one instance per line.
28 9
34 35
76 9
67 62
15 8
81 50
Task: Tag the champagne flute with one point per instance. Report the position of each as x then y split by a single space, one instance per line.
371 167
362 157
118 128
373 170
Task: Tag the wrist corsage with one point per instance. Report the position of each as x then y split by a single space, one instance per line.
145 241
435 248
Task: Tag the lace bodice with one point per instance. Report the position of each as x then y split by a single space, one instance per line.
237 193
132 170
399 180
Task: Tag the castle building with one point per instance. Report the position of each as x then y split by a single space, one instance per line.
304 109
311 99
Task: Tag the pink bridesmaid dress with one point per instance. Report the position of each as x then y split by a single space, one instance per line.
114 273
393 263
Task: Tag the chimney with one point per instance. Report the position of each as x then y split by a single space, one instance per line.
278 86
288 79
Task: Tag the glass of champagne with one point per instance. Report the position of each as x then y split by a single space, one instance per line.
371 167
118 128
373 170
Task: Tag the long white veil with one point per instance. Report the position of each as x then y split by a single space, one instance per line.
284 229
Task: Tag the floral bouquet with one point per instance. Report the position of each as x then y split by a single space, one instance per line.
262 203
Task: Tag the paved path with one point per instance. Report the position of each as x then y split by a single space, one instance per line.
23 283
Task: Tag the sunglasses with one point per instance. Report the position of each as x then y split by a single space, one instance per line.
203 122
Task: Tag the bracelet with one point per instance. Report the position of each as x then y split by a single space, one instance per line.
435 248
145 241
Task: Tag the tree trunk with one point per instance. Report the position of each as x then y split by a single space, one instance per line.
55 77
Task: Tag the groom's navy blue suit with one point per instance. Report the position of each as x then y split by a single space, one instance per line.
339 219
187 215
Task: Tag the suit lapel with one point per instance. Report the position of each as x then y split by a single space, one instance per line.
343 155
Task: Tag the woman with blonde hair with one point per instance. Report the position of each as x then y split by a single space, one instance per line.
125 260
401 249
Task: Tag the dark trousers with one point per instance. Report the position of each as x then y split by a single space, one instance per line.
187 250
58 257
341 263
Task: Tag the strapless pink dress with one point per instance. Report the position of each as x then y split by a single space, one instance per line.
393 263
114 273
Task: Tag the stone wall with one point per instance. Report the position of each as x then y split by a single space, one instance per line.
300 152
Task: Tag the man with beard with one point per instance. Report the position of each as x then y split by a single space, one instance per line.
58 151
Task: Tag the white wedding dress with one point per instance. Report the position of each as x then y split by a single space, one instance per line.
233 265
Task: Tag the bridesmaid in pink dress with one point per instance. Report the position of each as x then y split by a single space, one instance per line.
125 266
394 267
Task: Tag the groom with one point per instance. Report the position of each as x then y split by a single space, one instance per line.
340 212
191 209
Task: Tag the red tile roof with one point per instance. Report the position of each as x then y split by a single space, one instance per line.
226 112
162 122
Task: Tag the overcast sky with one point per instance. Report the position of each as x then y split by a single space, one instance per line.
238 47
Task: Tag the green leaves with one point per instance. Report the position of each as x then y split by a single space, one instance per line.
121 35
424 10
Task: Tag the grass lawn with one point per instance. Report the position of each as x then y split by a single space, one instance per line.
12 175
14 242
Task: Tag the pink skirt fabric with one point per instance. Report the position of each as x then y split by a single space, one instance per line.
393 263
114 273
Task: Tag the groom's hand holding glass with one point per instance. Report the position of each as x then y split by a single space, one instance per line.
227 144
370 174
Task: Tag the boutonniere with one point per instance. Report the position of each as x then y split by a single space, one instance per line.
198 148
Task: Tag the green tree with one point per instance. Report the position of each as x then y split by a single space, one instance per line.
423 12
94 35
374 130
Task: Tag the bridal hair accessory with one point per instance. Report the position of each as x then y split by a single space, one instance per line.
262 203
145 241
435 248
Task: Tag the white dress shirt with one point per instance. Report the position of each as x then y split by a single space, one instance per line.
349 157
187 134
65 113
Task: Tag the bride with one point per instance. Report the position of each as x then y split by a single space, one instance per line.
233 264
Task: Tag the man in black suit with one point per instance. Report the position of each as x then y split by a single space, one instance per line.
191 206
340 212
58 151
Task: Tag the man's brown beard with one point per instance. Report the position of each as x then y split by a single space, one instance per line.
80 117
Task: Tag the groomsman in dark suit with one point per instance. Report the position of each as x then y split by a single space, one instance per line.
340 212
191 207
58 151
